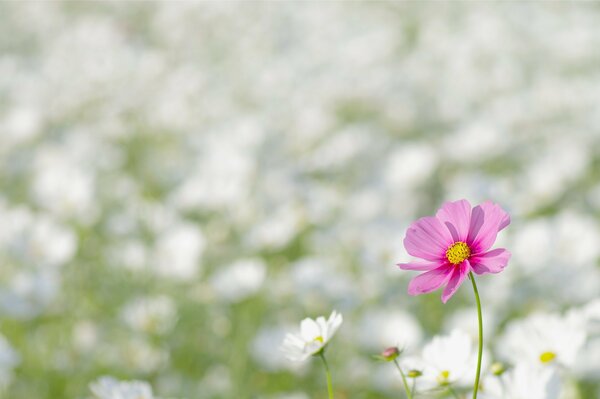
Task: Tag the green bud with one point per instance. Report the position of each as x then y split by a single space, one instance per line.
497 368
414 373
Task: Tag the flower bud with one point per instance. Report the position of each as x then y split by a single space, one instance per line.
497 368
390 353
414 373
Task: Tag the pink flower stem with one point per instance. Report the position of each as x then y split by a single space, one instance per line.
480 322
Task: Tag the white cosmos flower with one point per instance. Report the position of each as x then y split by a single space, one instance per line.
110 388
449 359
544 339
525 381
314 336
151 314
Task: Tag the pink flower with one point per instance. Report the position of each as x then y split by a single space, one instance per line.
454 242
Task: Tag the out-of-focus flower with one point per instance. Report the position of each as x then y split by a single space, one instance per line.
240 279
110 388
314 336
383 327
544 339
138 354
453 243
525 381
449 359
179 251
151 314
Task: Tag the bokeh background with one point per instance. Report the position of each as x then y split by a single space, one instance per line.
181 183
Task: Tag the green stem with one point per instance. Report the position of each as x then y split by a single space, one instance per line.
328 374
406 389
480 324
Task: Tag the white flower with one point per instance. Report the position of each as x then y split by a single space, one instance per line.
450 359
525 381
384 327
544 339
110 388
155 314
179 250
239 280
314 336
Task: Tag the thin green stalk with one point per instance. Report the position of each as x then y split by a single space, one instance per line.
480 324
328 374
406 389
414 384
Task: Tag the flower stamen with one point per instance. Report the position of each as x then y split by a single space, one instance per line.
442 378
458 252
547 357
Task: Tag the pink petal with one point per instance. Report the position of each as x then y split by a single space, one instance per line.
420 266
493 261
429 281
459 274
487 220
427 239
456 216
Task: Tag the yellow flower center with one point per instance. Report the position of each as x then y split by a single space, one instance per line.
442 379
458 252
547 357
319 338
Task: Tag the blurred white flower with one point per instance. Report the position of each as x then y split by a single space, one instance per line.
410 165
381 328
478 140
179 252
213 183
450 359
313 337
277 229
29 293
525 381
577 239
156 314
136 353
110 388
239 280
532 244
314 276
130 254
49 243
22 124
63 187
543 339
85 335
36 239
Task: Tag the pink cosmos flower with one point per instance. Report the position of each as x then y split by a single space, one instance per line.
454 242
